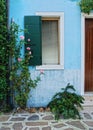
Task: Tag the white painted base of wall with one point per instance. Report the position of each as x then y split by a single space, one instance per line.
52 82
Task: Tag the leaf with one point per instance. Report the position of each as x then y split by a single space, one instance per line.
69 87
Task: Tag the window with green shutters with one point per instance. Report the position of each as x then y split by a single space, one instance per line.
33 38
45 37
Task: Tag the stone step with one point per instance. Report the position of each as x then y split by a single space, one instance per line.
88 97
88 100
87 108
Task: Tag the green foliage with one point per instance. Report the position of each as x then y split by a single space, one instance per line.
66 103
86 6
20 76
13 65
4 57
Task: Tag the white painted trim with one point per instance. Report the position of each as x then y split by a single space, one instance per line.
49 67
83 16
61 31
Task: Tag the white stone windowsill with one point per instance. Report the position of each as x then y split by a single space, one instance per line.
50 67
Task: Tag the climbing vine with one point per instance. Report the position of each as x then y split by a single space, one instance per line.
20 77
15 79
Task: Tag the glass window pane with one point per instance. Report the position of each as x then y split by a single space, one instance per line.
50 42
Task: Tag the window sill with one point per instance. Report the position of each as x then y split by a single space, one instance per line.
50 67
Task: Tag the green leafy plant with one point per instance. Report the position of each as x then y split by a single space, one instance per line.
86 6
21 81
66 103
4 57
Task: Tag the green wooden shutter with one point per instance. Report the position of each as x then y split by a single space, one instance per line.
32 24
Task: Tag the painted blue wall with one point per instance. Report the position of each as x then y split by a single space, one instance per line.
54 80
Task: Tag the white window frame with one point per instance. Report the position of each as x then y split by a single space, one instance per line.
59 15
83 17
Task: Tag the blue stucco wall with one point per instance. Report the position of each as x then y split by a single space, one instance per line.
54 80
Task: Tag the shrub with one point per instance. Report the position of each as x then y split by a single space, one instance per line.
4 57
66 103
20 77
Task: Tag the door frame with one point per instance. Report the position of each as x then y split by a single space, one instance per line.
83 17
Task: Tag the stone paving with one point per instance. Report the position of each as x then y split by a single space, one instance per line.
45 121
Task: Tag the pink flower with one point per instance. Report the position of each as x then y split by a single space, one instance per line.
29 52
19 59
28 40
22 37
28 48
41 71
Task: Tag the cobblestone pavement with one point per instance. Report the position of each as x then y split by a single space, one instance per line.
45 121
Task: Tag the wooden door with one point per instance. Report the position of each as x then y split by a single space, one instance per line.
89 55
